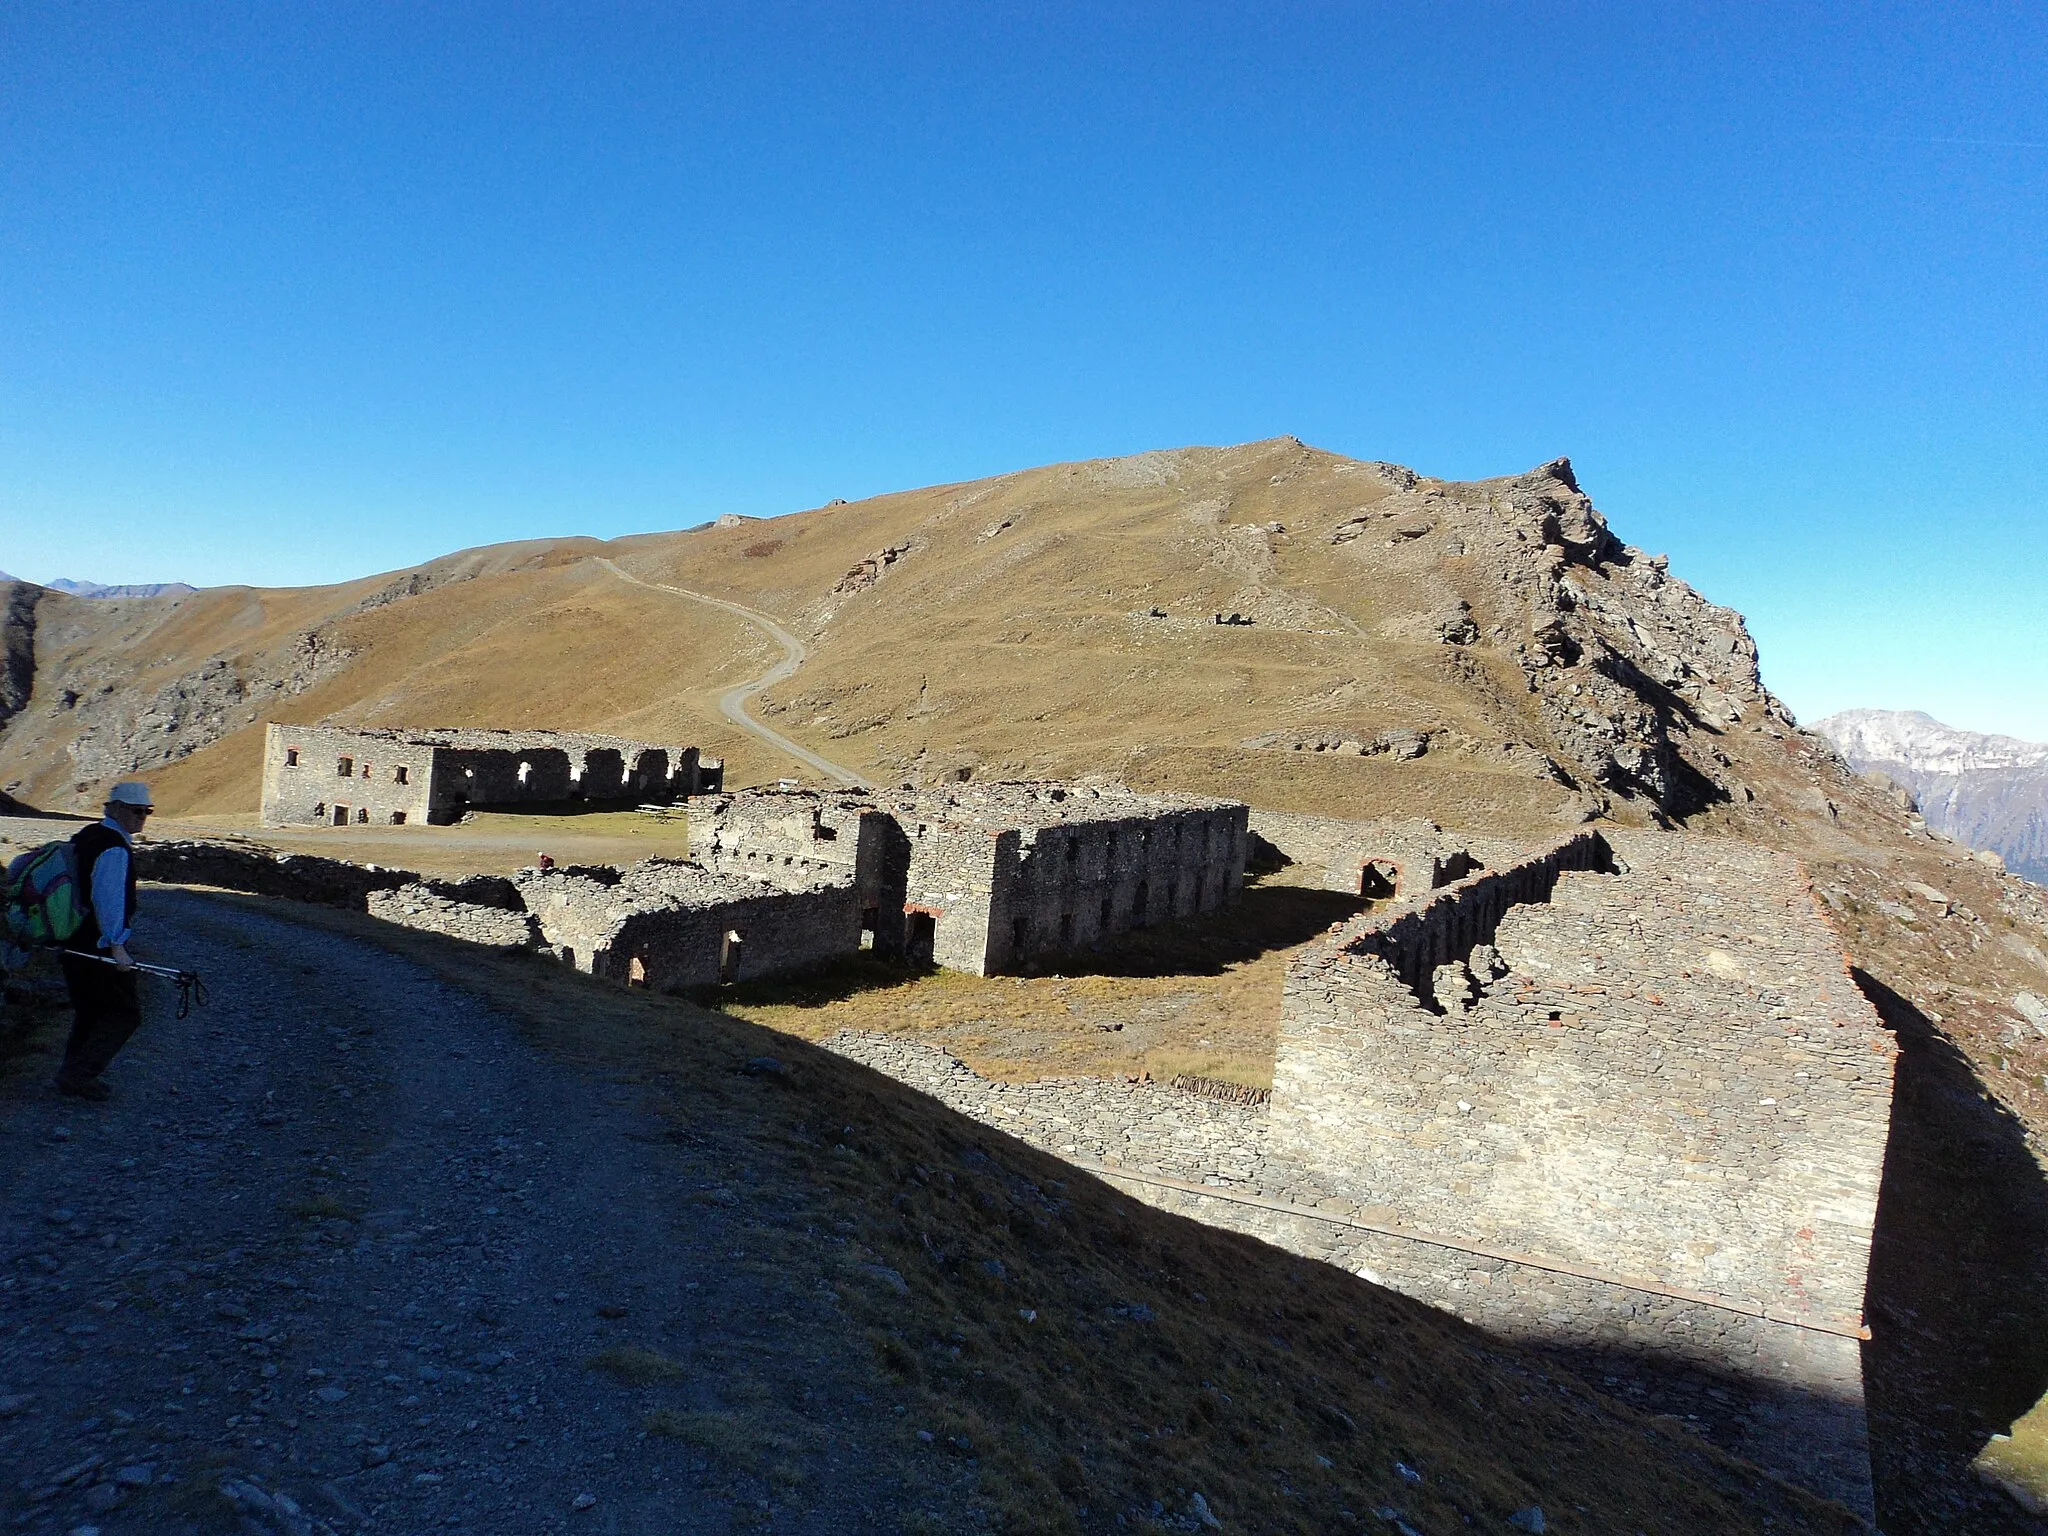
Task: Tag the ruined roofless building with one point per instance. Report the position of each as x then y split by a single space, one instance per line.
1623 1097
988 877
329 775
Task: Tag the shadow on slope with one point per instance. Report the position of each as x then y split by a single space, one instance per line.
1089 1363
1958 1293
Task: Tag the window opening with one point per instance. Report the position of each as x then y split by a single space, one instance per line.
362 813
636 972
525 772
1138 901
345 768
402 774
1017 935
1105 915
398 818
1066 928
729 957
291 757
341 815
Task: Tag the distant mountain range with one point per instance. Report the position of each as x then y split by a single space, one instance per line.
1986 791
100 589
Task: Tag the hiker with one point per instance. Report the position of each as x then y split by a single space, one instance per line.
103 997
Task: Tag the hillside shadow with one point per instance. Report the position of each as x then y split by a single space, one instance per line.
1958 1290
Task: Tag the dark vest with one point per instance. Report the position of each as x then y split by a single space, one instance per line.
86 848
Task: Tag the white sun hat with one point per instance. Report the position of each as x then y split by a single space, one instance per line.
131 792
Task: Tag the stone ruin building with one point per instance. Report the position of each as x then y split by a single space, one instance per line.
1620 1099
1375 859
326 775
987 878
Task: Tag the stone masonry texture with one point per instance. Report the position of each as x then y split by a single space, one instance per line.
990 877
1620 1099
320 774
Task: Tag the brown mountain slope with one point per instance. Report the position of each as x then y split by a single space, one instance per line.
1061 620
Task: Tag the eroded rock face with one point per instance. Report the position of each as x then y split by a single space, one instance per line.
1632 669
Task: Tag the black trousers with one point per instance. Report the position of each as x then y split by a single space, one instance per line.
107 1010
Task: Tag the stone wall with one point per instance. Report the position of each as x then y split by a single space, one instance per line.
330 774
1665 1071
323 775
1620 1100
1364 858
264 872
795 839
421 906
671 925
990 877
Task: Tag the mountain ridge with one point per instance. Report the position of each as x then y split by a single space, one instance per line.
1988 791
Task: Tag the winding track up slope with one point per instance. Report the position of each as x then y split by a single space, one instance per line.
733 702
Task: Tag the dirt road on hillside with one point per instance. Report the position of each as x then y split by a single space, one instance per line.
733 702
347 1253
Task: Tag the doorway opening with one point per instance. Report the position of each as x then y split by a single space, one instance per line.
1378 879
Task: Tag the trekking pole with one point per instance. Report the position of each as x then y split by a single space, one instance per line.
191 990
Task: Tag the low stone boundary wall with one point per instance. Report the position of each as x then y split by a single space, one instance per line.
263 872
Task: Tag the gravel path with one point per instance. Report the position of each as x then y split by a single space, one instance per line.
339 1256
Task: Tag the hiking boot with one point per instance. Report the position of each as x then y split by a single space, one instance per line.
83 1088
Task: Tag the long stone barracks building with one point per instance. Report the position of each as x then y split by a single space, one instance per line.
990 877
337 776
1620 1099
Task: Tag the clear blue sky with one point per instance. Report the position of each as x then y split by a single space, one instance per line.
291 293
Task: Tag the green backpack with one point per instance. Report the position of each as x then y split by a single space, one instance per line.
45 905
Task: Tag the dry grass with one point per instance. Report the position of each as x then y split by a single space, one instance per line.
1163 1357
636 1366
1201 997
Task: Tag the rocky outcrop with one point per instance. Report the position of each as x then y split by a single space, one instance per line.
120 736
1633 671
17 646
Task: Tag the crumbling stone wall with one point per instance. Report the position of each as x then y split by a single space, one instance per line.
672 925
331 775
421 906
989 877
1620 1099
265 872
1003 874
794 839
1662 1071
1364 858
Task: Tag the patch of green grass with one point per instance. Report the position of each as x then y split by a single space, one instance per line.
323 1207
722 1433
636 1366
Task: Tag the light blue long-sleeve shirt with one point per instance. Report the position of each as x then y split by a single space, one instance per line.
110 889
